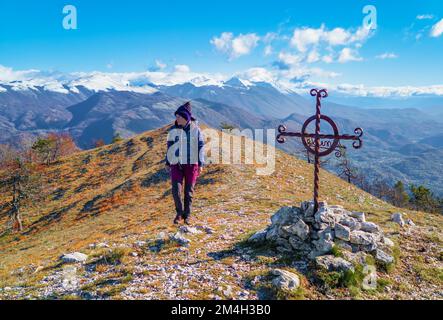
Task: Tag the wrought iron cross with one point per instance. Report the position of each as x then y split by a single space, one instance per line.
306 138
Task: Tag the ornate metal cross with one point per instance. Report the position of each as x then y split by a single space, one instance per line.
327 145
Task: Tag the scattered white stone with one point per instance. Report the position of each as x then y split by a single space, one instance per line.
370 281
180 239
388 242
228 291
38 269
285 280
398 218
206 229
74 257
140 243
188 229
383 257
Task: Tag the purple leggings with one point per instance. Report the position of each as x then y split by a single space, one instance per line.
188 173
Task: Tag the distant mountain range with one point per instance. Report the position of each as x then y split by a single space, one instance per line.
399 144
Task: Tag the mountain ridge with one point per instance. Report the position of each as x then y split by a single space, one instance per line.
115 204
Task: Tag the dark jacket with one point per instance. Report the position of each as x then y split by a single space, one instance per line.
190 136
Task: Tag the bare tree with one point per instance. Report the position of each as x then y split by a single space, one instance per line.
347 171
19 181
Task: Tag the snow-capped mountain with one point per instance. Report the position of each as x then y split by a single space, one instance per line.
257 97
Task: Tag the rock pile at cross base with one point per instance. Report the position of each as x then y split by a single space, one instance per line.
315 234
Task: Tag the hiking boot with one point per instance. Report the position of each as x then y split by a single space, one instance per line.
177 219
188 220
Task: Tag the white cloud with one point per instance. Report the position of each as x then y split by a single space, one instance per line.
303 38
288 59
387 55
269 37
257 75
327 59
347 54
160 65
8 74
235 47
361 35
312 42
313 56
268 51
425 17
387 91
182 68
437 29
337 36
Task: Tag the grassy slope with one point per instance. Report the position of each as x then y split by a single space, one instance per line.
120 193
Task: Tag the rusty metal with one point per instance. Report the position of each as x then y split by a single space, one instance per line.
320 148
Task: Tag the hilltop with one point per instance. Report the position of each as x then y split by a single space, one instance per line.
113 204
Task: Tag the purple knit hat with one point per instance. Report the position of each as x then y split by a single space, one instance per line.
185 111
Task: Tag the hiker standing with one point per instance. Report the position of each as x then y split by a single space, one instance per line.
184 159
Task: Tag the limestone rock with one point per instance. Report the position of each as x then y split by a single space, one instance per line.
285 215
360 216
326 234
74 257
343 245
307 208
259 236
188 229
358 257
316 233
299 229
272 233
383 257
326 216
398 218
285 280
180 239
284 243
332 263
342 232
298 245
323 246
362 238
388 242
140 243
369 227
350 222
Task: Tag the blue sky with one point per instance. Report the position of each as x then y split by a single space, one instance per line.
130 36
